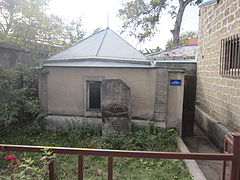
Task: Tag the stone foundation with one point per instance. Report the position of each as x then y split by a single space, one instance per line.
212 128
54 122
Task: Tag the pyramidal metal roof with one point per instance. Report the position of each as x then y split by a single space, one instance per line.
105 44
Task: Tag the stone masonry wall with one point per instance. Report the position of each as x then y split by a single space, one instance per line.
66 89
160 108
12 54
217 95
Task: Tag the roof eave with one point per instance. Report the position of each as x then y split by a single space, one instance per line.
207 3
94 57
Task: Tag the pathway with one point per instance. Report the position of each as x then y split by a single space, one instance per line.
200 143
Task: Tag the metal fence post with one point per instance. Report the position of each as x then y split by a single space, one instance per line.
110 168
80 167
51 170
235 173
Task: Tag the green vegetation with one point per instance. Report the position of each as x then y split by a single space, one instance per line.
149 51
183 39
140 138
18 95
141 18
29 25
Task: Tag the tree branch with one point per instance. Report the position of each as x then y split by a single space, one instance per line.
186 2
3 28
6 21
176 31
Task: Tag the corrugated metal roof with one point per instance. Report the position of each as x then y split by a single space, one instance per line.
184 51
96 64
172 59
104 44
177 61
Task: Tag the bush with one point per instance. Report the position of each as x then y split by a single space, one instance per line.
18 94
140 138
113 140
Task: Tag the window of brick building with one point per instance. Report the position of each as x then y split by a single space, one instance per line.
94 95
230 56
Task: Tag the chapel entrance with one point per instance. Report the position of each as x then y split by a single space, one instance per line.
189 105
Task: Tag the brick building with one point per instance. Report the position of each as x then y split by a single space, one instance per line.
218 68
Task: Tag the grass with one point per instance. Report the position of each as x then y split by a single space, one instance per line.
95 168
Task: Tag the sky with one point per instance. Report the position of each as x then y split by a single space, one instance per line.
100 13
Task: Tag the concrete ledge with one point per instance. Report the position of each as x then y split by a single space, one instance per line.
212 128
55 122
194 171
161 125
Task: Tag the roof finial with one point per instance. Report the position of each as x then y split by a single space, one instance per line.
107 21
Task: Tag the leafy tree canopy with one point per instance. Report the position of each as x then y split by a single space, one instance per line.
141 17
184 38
18 94
149 51
26 23
98 29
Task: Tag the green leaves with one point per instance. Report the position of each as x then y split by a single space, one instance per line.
141 138
26 24
141 17
149 51
18 95
184 38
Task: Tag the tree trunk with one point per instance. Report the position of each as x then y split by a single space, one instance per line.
176 31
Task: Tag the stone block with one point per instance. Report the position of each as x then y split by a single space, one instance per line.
162 81
160 125
161 91
115 106
42 82
231 18
226 12
238 13
162 73
160 117
43 106
56 122
208 124
42 95
160 108
161 100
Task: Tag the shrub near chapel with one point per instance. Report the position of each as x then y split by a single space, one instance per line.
18 95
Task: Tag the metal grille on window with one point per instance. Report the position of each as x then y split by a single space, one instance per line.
230 56
94 91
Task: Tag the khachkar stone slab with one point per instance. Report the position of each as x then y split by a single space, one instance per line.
115 106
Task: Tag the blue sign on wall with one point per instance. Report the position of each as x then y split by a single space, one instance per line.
175 82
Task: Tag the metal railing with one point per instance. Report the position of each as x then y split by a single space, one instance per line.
233 156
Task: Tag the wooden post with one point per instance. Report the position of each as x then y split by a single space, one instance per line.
51 170
110 168
235 173
80 167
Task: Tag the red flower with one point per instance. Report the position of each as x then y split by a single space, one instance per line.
10 156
